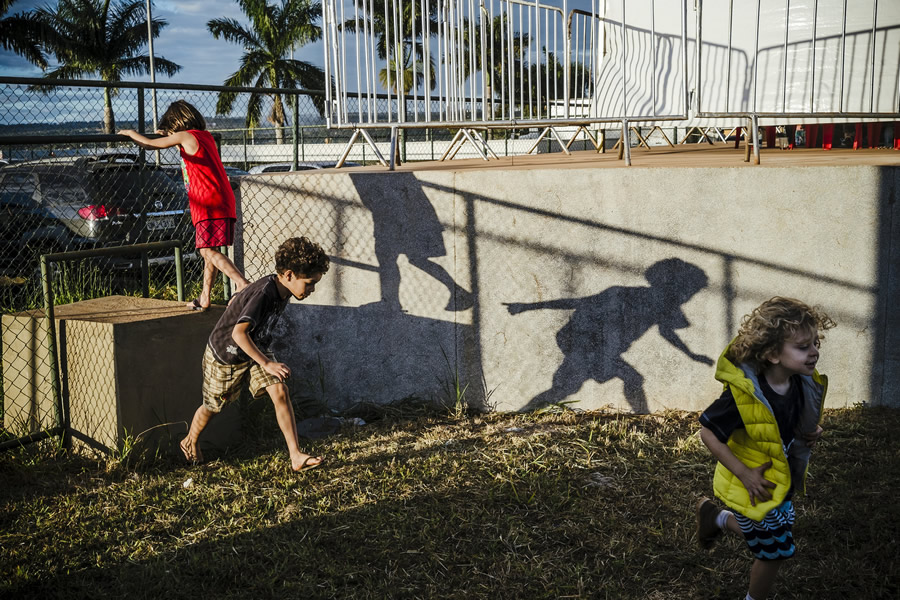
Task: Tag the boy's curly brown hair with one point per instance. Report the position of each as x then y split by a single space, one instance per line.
765 330
302 257
181 116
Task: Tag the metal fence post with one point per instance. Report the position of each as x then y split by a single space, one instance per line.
226 282
754 124
295 131
179 274
140 122
302 145
403 146
50 326
244 138
145 274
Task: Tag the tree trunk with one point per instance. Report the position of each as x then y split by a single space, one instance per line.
278 118
109 119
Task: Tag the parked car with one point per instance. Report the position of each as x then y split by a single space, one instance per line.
233 173
301 166
76 203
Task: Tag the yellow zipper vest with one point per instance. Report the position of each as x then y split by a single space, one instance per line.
760 441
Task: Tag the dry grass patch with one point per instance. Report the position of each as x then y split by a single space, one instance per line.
554 505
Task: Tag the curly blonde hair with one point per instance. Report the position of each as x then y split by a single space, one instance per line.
765 330
302 256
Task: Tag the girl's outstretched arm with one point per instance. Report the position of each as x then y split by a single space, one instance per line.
180 138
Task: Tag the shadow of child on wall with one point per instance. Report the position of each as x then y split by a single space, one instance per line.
405 222
604 326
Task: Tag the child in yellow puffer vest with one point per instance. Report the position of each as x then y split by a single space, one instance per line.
761 430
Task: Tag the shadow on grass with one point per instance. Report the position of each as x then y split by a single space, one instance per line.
508 512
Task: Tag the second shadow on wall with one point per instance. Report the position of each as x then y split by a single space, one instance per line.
604 326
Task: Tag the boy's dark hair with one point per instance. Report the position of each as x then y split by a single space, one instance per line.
765 329
302 257
181 116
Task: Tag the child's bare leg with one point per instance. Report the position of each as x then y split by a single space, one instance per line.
762 577
189 444
732 525
209 275
223 263
284 413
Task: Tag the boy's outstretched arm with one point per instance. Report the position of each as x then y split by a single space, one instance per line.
753 479
242 338
673 338
515 308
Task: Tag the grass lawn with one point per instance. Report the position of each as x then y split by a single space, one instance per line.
425 505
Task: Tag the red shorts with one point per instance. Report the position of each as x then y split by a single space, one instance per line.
213 233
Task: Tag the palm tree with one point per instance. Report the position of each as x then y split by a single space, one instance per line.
500 41
88 37
19 33
581 83
275 30
407 56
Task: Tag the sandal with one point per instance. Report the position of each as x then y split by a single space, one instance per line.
305 466
195 305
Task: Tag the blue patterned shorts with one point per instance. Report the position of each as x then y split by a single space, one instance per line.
771 538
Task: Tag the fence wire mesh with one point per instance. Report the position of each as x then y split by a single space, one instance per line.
68 183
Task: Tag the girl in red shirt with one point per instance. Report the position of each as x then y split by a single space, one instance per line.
209 191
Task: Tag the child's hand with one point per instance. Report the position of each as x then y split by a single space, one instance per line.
702 358
279 370
757 485
129 132
514 308
813 436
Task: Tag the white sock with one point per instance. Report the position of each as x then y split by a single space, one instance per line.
722 521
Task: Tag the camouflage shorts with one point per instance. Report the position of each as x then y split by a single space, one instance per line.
223 383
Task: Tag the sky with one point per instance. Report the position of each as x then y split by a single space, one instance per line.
186 41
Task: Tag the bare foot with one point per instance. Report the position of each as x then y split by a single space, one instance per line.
191 452
306 463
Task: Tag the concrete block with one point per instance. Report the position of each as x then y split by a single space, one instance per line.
128 367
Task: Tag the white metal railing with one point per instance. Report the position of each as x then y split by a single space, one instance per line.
498 63
480 64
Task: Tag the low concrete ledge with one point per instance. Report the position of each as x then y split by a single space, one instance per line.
129 367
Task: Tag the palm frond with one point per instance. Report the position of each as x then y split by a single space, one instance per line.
232 31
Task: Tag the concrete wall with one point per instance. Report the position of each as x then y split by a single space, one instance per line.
130 367
604 287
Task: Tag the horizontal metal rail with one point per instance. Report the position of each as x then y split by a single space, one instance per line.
83 138
38 436
32 81
127 250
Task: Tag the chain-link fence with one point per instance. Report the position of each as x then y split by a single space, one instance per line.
69 183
